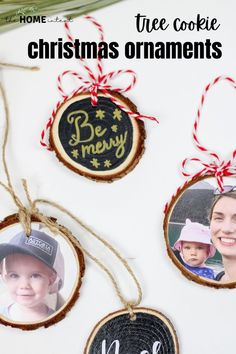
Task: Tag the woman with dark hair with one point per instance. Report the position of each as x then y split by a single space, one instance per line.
223 231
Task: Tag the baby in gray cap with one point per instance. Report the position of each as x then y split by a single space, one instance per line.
31 268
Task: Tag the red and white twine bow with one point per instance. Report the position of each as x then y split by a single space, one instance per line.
92 83
217 167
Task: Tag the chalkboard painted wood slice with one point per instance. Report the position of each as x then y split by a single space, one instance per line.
99 142
150 333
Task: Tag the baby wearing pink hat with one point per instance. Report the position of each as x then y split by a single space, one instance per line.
195 247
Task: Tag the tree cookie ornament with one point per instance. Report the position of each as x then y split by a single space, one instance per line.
199 223
149 333
41 274
96 131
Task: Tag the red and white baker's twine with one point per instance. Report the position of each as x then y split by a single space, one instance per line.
92 83
217 167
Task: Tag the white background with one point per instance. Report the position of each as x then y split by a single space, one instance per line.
128 212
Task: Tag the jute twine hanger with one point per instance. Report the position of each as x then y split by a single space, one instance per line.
20 67
25 214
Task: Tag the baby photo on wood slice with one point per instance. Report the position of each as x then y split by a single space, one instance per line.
39 275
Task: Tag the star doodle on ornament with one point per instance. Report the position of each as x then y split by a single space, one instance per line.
95 162
117 114
107 163
100 114
75 153
114 128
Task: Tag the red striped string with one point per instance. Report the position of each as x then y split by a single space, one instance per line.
216 167
92 83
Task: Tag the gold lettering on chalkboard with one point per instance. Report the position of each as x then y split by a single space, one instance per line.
80 120
74 118
101 146
107 163
99 132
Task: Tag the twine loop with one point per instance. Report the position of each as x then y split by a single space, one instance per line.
216 167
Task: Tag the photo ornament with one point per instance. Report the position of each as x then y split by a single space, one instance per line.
200 231
40 275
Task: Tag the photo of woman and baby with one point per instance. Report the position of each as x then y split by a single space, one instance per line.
32 274
202 231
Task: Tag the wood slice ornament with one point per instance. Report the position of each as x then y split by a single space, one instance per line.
100 142
41 274
149 333
95 130
198 240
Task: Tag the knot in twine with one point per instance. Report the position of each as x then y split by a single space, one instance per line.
25 214
101 81
217 167
130 307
